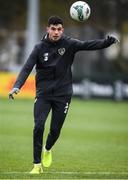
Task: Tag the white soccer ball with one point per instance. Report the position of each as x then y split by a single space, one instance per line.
80 11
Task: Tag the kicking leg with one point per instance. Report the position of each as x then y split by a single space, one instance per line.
59 112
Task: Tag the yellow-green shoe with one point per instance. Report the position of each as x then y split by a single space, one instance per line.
47 158
37 169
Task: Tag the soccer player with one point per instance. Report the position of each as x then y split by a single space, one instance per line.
53 58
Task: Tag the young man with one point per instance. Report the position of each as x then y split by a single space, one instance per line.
53 58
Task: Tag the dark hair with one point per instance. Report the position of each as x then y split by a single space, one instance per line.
55 20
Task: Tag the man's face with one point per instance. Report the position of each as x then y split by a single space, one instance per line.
55 32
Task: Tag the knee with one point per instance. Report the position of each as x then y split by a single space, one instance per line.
39 127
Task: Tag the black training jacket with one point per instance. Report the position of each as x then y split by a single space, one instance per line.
53 62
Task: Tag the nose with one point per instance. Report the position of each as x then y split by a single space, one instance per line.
56 31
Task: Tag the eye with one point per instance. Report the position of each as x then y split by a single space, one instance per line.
59 29
53 29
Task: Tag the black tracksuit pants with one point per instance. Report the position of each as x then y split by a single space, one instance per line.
59 107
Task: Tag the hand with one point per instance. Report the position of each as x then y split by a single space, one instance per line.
112 39
12 92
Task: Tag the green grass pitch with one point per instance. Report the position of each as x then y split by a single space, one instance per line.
93 143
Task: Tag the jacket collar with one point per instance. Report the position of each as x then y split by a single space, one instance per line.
46 39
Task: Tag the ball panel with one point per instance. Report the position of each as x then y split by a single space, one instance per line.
80 11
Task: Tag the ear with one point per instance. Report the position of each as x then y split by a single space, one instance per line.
47 29
63 30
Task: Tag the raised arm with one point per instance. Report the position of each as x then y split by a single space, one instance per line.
94 44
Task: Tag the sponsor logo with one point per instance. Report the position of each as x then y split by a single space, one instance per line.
45 56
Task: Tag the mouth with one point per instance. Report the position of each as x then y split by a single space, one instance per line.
55 37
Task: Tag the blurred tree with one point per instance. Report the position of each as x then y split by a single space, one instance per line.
13 14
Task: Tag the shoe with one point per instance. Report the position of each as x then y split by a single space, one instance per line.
37 169
47 158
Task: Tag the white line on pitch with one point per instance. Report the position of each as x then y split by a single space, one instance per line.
69 172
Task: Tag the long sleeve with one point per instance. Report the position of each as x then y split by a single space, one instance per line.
27 68
91 44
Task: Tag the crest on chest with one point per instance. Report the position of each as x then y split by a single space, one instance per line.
61 51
